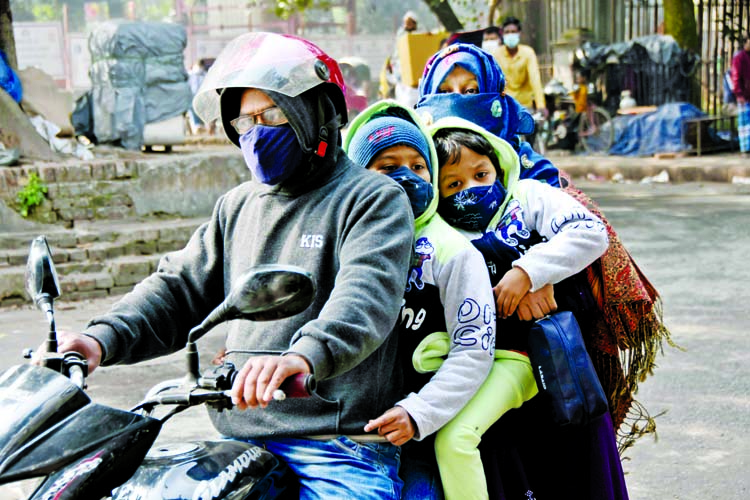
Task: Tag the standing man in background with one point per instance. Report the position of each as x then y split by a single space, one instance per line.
518 61
741 84
391 75
492 38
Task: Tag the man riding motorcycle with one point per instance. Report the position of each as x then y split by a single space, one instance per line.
281 100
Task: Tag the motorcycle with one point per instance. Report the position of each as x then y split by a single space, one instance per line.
56 444
562 126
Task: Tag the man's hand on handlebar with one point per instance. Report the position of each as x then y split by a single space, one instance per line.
87 346
261 376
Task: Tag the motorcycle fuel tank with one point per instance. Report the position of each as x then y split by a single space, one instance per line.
230 470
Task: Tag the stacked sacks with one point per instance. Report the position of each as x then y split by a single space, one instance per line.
138 76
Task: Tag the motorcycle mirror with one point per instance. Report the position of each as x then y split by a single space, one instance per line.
42 283
263 293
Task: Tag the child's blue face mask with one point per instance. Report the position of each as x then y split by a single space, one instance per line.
420 191
472 209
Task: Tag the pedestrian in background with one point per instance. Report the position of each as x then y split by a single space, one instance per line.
741 84
196 75
519 63
492 39
391 84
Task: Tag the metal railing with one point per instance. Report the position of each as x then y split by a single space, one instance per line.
719 24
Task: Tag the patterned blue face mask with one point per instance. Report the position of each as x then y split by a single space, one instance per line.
472 209
485 110
420 191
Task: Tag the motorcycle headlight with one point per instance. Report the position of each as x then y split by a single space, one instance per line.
20 490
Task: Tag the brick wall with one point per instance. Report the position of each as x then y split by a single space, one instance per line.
174 185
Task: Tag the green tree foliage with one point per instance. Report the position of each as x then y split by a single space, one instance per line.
284 9
381 15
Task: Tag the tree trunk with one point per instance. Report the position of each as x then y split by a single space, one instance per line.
7 41
444 12
494 6
679 22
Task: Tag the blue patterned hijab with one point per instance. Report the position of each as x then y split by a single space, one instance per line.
490 108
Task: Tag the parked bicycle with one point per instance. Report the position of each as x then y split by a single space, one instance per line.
576 121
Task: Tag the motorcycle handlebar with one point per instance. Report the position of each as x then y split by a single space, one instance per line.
77 376
300 385
214 387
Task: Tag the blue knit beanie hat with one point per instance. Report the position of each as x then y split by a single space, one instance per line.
383 132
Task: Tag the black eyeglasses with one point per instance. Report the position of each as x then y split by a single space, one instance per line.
270 116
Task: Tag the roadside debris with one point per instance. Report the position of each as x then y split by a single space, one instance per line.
70 146
660 178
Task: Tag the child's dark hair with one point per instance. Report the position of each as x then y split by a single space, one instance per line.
448 143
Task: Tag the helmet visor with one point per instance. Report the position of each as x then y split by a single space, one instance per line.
265 61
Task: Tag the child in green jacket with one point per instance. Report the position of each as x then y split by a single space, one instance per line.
448 304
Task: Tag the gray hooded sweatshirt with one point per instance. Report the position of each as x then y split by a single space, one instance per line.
353 231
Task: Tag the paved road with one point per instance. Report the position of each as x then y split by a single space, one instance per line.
703 450
691 240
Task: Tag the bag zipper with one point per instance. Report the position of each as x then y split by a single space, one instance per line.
571 365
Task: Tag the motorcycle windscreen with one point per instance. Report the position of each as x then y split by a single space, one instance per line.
32 400
64 428
93 427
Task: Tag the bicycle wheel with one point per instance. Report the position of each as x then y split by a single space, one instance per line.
596 134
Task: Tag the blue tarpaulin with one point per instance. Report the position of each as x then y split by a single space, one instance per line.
9 80
659 131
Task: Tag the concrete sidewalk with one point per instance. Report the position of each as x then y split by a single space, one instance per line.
726 167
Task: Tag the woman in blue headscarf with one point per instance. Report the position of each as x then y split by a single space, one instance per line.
465 81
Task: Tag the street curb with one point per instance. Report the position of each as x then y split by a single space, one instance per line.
713 168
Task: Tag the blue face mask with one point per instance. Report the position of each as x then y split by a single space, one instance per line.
420 191
472 209
272 154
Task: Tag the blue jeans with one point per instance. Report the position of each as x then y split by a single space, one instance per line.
340 467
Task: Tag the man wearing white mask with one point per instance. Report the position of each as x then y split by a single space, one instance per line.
519 63
491 39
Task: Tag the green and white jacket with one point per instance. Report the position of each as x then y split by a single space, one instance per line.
556 236
448 308
572 236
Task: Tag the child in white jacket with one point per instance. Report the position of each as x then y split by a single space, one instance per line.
532 236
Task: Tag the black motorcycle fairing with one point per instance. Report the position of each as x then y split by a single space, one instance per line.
229 470
33 400
90 429
107 465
